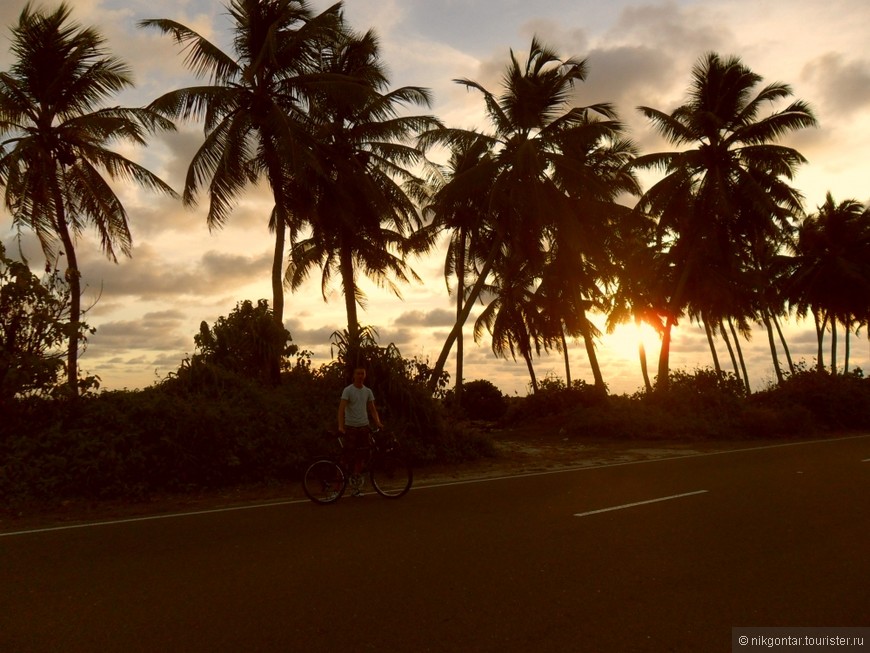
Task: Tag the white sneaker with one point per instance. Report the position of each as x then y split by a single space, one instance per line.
356 482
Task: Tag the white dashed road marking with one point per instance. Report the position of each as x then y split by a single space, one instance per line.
639 503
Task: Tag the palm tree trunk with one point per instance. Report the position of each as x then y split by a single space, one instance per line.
722 330
664 357
463 316
833 345
820 333
740 355
593 357
712 344
770 339
278 273
278 222
565 354
277 294
641 351
460 293
348 283
848 326
784 343
674 308
528 356
73 278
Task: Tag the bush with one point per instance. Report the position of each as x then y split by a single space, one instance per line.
481 401
247 342
206 427
34 327
828 402
132 443
554 397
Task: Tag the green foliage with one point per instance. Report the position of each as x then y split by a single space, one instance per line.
553 397
701 405
702 389
207 426
840 402
247 342
481 400
34 324
32 329
175 436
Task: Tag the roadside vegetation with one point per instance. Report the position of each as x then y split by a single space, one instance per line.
220 421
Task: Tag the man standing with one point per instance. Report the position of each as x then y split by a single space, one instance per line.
356 406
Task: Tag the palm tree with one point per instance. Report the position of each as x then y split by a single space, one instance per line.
633 301
591 168
55 158
531 121
513 316
730 184
252 109
831 277
464 218
361 208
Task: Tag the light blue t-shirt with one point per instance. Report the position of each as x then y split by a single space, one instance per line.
356 412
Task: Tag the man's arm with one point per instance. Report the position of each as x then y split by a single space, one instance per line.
373 411
342 406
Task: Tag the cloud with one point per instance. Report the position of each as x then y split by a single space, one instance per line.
155 331
672 28
148 275
433 318
844 84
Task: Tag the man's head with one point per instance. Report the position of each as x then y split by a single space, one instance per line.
359 376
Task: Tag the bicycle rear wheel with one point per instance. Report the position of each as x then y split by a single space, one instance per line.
390 474
324 481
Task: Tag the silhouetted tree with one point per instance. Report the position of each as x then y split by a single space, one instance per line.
55 159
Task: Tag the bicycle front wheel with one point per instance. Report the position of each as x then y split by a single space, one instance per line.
391 475
324 481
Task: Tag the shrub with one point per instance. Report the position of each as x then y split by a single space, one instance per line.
830 402
247 342
34 326
481 401
206 426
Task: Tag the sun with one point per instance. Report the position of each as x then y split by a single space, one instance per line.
625 340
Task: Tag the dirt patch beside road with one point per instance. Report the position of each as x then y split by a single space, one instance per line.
526 451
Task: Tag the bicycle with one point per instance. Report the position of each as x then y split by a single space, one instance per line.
326 479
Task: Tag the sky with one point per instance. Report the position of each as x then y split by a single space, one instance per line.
147 308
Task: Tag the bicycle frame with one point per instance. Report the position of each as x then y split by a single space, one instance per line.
380 458
348 455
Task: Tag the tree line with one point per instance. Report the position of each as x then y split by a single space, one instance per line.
546 220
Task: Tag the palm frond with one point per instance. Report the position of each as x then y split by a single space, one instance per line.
202 57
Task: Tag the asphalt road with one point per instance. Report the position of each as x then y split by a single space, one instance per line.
775 536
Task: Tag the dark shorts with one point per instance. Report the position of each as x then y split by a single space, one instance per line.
357 436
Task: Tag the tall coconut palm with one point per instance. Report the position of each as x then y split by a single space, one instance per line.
252 109
464 217
361 209
513 317
55 156
636 296
831 277
591 169
728 176
530 119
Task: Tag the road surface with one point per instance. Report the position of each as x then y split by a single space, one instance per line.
656 556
